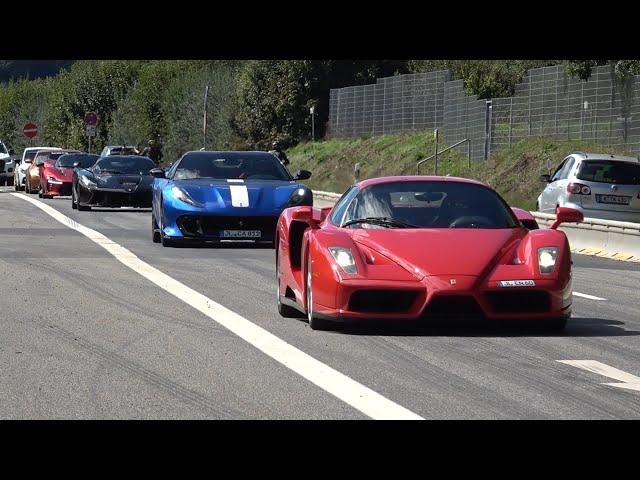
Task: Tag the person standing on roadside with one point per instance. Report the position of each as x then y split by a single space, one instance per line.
153 151
277 151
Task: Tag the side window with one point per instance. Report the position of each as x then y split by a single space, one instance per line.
558 172
342 204
171 172
567 168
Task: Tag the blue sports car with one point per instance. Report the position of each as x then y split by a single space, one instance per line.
223 196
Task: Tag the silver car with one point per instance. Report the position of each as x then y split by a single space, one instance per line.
599 185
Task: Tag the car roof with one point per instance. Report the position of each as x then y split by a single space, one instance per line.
42 148
417 178
112 157
238 152
605 156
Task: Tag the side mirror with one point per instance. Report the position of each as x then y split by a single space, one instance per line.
157 173
567 215
302 175
76 164
11 152
310 215
27 160
545 178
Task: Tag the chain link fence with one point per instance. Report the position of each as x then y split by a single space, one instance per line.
604 109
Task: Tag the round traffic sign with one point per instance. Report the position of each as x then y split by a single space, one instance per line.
90 118
30 130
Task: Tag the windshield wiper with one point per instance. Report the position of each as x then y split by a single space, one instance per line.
382 221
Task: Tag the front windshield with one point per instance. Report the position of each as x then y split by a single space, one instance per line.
426 204
131 165
86 160
3 149
230 165
30 155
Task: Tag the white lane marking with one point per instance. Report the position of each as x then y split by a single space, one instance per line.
337 384
590 297
239 195
626 380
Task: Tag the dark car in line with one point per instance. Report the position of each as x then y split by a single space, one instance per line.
113 181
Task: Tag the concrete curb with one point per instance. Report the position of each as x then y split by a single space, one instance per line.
601 238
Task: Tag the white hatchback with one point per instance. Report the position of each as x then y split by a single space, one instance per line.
600 186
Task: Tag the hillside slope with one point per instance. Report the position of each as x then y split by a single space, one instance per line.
513 172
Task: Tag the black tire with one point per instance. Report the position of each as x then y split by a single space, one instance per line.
10 181
74 206
3 181
156 236
315 323
81 208
284 310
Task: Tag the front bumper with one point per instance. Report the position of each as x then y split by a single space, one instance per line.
435 298
109 198
56 189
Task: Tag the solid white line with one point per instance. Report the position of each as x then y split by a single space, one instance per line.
337 384
590 297
626 380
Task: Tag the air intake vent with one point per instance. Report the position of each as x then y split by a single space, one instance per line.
519 301
452 306
384 301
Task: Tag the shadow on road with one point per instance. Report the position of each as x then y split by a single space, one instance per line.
576 327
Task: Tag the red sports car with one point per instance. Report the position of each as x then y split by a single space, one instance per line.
422 248
55 177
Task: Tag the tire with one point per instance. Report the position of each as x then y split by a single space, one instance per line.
156 236
10 181
314 322
26 185
284 310
3 181
81 208
74 206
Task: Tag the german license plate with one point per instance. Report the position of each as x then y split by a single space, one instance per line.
517 283
241 233
616 199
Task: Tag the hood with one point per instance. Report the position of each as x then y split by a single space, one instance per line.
455 251
260 196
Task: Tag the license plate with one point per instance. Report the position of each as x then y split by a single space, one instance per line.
241 233
517 283
616 199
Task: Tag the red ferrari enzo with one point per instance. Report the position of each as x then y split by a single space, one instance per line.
422 248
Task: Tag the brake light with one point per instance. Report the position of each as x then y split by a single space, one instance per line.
578 189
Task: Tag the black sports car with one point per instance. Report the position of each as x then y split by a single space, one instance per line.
113 181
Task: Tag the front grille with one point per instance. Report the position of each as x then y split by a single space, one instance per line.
115 199
519 301
384 301
452 306
209 225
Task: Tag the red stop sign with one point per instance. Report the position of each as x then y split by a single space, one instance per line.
30 130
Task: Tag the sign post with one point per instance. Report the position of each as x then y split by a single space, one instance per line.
90 122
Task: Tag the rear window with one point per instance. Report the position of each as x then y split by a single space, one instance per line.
609 171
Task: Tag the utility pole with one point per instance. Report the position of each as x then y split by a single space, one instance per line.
435 135
204 124
313 123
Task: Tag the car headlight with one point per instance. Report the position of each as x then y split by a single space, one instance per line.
344 258
183 196
54 181
299 196
547 257
87 183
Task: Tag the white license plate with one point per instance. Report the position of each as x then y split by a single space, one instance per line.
617 199
517 283
241 233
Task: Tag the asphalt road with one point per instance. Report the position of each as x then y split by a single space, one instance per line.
83 336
